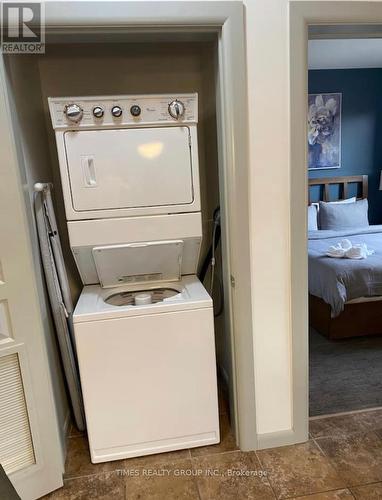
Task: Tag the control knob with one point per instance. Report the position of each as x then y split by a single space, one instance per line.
176 109
116 111
135 110
73 112
98 112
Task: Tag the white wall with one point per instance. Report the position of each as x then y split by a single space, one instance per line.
268 87
268 67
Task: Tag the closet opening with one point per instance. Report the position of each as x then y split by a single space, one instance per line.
136 64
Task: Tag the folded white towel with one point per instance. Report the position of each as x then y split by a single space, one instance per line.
346 244
336 251
346 249
359 251
356 253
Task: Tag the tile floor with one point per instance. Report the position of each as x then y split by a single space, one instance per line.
341 461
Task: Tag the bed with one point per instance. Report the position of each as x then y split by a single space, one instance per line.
345 296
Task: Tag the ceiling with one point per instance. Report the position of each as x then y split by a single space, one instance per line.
327 31
345 53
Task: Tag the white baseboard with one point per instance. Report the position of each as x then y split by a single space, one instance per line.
280 438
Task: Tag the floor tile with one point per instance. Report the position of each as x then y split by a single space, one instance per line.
299 470
368 492
101 487
357 458
231 476
345 451
329 495
379 433
372 420
227 441
74 432
167 482
338 425
78 462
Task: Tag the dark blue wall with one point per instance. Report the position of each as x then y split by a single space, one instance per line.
361 126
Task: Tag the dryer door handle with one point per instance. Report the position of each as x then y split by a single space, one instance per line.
88 169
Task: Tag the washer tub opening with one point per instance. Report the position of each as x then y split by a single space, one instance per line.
128 298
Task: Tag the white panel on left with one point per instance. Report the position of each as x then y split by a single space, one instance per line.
16 446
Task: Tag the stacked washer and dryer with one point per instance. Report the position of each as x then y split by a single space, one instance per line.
143 324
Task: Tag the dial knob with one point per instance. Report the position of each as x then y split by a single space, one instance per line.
176 109
73 112
98 112
135 110
116 111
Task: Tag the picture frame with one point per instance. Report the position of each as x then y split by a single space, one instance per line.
324 131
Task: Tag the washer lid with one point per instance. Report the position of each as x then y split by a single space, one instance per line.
144 262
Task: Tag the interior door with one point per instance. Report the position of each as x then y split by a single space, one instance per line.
129 168
30 450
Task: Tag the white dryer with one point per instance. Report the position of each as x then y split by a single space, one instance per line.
108 145
144 323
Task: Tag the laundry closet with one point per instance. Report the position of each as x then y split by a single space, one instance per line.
106 75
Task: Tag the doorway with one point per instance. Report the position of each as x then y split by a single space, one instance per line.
344 157
356 21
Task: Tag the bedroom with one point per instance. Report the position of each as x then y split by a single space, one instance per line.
345 237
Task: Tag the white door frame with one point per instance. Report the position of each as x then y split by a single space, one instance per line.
303 14
227 20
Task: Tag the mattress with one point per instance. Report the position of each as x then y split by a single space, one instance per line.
341 281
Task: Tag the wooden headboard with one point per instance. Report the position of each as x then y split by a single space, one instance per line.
343 182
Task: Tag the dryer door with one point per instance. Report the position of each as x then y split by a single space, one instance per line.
129 168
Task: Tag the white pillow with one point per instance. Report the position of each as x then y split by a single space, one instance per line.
312 218
353 199
343 215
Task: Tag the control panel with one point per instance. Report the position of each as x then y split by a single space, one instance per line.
122 111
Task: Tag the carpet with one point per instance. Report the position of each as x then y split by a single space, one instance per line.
345 375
